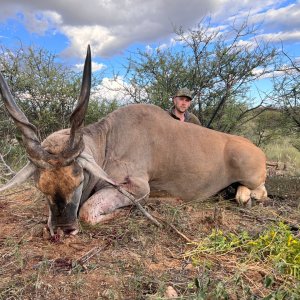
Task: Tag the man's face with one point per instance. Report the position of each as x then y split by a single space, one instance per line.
182 103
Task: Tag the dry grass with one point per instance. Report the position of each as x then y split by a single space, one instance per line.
284 150
130 258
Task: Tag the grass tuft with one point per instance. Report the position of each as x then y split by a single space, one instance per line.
276 250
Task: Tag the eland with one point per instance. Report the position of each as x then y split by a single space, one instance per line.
139 147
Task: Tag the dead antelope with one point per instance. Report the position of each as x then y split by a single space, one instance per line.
139 147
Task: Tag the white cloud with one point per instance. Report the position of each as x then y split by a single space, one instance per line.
110 26
40 22
246 44
281 36
95 67
239 10
283 18
113 89
118 89
276 20
284 70
94 35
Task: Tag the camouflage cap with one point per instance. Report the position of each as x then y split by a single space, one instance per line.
184 92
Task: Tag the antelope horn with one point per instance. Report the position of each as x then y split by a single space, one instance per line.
37 154
77 117
20 177
28 130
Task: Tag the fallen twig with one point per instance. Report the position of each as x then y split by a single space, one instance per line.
65 264
149 216
81 261
178 232
138 205
175 229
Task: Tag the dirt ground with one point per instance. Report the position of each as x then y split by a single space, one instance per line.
131 258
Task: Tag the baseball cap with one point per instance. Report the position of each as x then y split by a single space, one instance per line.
184 92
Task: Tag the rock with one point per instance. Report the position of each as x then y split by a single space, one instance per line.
46 234
170 293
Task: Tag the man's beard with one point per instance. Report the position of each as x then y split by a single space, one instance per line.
182 110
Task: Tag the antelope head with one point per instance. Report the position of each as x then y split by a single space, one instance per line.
59 175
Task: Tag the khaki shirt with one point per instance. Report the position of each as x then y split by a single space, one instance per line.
188 117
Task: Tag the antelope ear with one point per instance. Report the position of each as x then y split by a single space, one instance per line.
20 177
88 163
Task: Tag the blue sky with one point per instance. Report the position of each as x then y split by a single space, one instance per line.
115 27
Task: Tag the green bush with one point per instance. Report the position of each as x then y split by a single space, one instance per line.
275 249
